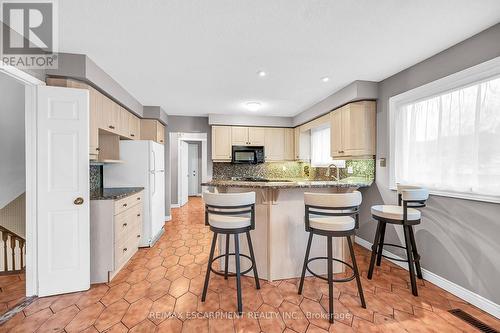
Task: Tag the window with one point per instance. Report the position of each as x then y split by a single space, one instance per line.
449 140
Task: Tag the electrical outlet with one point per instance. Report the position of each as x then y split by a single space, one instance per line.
350 170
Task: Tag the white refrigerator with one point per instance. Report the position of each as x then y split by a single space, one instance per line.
143 166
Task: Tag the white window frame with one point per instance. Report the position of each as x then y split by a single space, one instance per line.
463 78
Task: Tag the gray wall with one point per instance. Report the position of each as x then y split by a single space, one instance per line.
186 125
458 239
12 148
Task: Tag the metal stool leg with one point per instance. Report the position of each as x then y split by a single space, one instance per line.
416 256
330 279
226 257
250 249
308 249
374 251
238 274
207 275
409 254
381 243
356 272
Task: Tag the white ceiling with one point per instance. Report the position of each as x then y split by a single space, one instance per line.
195 57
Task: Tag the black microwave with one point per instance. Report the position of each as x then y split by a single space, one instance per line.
247 154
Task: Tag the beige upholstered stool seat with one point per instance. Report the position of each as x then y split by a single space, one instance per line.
228 221
332 223
394 212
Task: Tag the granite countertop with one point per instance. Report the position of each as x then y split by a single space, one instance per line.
292 183
114 193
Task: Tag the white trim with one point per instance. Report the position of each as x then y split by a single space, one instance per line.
451 287
465 77
174 205
30 110
168 218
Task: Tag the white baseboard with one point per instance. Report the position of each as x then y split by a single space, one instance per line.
168 218
174 205
451 287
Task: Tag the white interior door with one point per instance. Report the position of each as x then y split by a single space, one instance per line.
63 190
184 172
193 178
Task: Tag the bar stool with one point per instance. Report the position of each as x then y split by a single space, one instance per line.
332 215
405 214
230 214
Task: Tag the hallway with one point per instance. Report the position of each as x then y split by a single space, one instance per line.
168 278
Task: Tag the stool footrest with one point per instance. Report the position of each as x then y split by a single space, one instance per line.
394 258
231 274
347 279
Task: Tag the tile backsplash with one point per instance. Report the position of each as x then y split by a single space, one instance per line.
95 177
286 170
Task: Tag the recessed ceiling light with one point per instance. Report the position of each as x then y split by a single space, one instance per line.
325 79
253 106
261 73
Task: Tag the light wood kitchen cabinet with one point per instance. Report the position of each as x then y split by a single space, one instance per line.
353 130
134 124
123 126
248 136
274 147
111 115
94 117
152 129
289 144
302 146
115 233
221 143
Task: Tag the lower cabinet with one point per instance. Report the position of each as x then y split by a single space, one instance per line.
115 232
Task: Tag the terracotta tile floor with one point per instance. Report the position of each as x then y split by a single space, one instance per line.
169 278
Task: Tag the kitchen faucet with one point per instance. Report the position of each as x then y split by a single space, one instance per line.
328 172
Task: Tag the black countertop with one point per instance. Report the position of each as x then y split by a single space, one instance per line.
114 193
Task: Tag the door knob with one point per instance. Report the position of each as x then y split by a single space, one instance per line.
78 201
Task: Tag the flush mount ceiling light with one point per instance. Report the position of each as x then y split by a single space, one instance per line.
325 79
261 73
253 106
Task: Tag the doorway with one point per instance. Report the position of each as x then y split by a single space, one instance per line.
188 152
194 166
12 193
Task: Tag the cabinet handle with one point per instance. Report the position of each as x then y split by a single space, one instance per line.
125 224
138 215
161 140
98 149
124 205
125 250
138 198
138 236
112 127
131 134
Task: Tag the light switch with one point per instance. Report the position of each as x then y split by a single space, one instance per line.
350 170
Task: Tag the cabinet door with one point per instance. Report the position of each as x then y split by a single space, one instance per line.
256 136
134 126
274 144
289 144
124 129
109 115
336 135
221 143
302 144
359 129
239 136
93 123
160 133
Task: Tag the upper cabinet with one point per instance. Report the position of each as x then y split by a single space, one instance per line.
289 144
221 143
274 147
248 136
353 130
302 146
106 117
152 129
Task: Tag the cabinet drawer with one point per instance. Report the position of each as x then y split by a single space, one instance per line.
127 222
128 202
126 248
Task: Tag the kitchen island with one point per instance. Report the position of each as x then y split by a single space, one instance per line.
279 238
